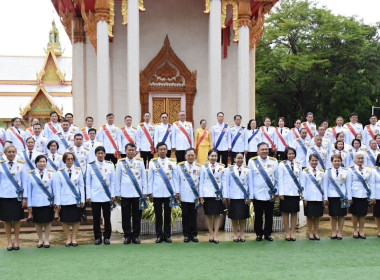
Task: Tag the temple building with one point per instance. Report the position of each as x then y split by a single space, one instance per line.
33 86
136 56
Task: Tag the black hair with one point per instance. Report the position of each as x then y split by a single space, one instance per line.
290 149
100 148
358 140
77 135
87 118
190 149
238 116
51 142
159 144
220 113
92 129
261 144
14 119
212 151
163 113
69 114
39 157
109 115
130 145
249 123
128 116
52 113
353 114
202 120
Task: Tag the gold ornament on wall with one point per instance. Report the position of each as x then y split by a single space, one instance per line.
112 18
207 7
235 16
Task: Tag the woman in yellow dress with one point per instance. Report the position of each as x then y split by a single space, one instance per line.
203 142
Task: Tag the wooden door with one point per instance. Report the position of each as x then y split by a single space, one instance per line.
172 106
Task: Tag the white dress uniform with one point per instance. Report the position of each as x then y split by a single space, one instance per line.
56 159
156 184
260 187
115 133
323 153
270 131
19 172
131 131
352 153
367 137
357 188
343 153
49 134
185 191
251 146
284 133
41 143
2 139
91 145
124 186
62 192
142 142
31 158
179 139
86 129
231 190
300 151
343 181
74 129
159 133
349 136
36 197
294 133
325 141
81 154
206 188
94 188
376 183
309 126
371 156
216 131
17 137
311 191
240 141
69 136
332 131
346 146
286 185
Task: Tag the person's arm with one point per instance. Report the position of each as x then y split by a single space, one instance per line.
281 177
325 185
112 181
88 183
174 136
226 183
349 184
201 182
150 178
144 183
118 178
28 185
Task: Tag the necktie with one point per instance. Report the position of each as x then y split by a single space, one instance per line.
53 157
10 165
267 129
315 172
92 143
337 173
292 165
69 173
281 130
42 174
213 169
30 155
239 171
18 130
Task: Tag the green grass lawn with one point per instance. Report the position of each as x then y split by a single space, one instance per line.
303 259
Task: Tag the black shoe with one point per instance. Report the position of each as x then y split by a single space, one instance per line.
16 248
195 239
259 238
317 238
74 244
333 237
242 240
236 240
10 248
167 239
46 246
159 239
127 240
98 241
29 220
211 240
362 236
269 238
186 239
355 236
107 241
291 239
68 244
216 241
40 245
136 240
84 216
339 238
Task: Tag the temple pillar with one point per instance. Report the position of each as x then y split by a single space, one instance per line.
252 89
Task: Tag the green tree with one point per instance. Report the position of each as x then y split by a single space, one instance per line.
312 60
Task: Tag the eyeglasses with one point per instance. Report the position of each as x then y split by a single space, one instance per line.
69 159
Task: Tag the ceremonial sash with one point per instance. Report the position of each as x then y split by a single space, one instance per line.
85 135
19 190
312 178
184 132
166 134
281 138
2 142
103 182
111 140
236 138
51 162
361 179
319 157
253 135
44 189
370 131
351 154
63 140
308 129
272 190
295 133
18 136
142 199
71 186
52 128
190 180
240 185
30 164
334 132
202 137
294 177
76 162
267 136
221 136
299 141
371 157
148 137
129 138
218 191
351 129
343 199
31 131
173 201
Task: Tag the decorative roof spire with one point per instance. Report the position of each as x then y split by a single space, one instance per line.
54 44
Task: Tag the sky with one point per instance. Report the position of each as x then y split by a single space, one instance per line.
25 24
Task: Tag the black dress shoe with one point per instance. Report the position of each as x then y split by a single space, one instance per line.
216 241
136 240
259 238
46 246
355 236
98 241
68 244
195 239
186 239
40 245
333 237
317 238
269 238
339 238
167 239
127 240
291 239
74 244
10 248
107 241
159 239
84 216
236 240
16 248
362 236
242 240
211 240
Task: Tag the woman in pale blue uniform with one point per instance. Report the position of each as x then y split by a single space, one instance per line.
12 194
69 201
312 182
252 138
41 199
211 199
54 159
290 192
356 148
239 194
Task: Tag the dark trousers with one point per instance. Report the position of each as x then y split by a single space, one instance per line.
157 203
189 219
180 155
266 207
233 155
111 157
224 156
249 156
147 156
281 156
96 211
130 207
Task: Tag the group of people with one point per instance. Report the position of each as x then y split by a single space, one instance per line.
56 171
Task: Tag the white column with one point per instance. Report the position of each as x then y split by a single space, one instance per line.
78 83
133 62
215 58
103 96
243 98
252 75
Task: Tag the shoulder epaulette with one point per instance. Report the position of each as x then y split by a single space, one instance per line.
109 161
121 159
329 168
70 147
272 158
254 157
31 171
82 128
60 154
2 161
20 161
198 164
91 162
76 167
306 168
375 167
172 159
181 163
311 147
141 123
344 168
325 147
367 166
364 149
134 127
61 168
153 159
298 162
230 165
321 169
222 164
139 158
351 166
246 165
51 170
87 149
122 127
283 161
